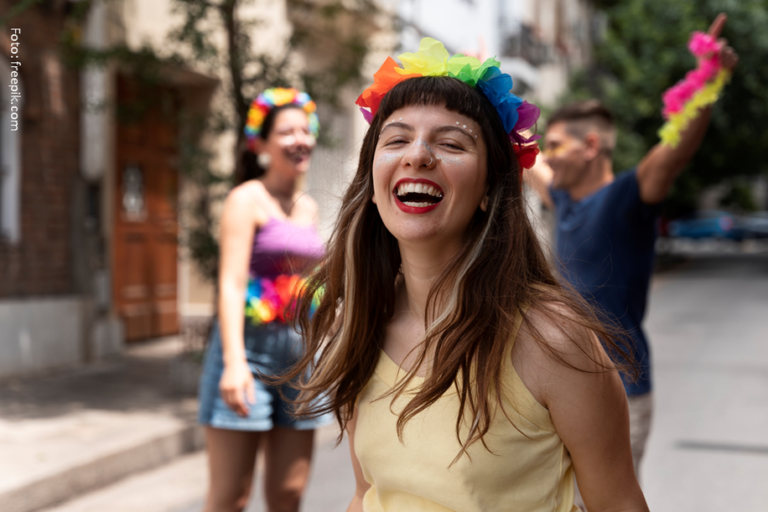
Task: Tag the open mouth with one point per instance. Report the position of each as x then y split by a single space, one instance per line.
298 155
418 195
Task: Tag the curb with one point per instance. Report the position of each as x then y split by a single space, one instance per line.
103 471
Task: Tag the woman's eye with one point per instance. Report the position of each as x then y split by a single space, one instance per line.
452 145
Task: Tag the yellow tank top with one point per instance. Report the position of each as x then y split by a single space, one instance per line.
523 472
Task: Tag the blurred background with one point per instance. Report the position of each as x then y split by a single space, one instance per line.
114 166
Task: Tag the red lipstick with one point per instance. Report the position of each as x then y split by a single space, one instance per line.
415 209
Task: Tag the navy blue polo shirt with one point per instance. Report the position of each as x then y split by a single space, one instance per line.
605 249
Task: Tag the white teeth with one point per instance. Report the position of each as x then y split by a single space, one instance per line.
418 188
417 205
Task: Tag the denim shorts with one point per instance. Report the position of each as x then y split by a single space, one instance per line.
270 349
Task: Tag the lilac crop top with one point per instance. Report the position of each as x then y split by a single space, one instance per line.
282 247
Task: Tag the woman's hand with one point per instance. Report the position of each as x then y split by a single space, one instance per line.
236 387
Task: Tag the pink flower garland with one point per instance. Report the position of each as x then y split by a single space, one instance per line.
707 49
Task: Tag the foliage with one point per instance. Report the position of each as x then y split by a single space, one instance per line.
740 197
645 52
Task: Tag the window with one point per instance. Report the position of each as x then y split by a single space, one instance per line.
10 152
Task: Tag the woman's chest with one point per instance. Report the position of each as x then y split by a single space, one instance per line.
403 343
430 443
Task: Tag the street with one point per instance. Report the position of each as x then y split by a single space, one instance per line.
708 325
708 451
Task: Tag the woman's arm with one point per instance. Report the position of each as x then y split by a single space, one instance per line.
588 407
361 486
239 221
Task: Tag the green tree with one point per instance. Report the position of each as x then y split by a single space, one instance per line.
644 52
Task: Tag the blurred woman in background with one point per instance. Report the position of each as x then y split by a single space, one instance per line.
268 238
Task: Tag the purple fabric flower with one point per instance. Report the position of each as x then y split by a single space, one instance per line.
367 115
528 115
269 293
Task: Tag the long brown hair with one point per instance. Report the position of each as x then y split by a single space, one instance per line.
471 308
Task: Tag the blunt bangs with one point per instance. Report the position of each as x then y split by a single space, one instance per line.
451 92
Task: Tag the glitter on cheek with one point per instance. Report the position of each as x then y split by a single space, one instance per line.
450 159
389 158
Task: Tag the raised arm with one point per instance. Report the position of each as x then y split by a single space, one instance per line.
658 170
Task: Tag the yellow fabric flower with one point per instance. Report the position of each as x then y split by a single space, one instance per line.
255 117
430 60
283 96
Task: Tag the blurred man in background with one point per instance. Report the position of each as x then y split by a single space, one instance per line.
606 224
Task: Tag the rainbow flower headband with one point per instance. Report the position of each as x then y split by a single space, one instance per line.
433 59
700 88
277 97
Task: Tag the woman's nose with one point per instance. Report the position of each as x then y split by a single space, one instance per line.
420 155
305 139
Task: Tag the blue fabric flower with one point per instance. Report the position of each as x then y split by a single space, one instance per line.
254 289
496 86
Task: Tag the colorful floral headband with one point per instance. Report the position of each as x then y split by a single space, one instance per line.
700 88
277 97
433 59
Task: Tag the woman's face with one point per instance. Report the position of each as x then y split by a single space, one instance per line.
290 143
429 174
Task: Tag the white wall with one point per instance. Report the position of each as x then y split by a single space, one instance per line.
40 333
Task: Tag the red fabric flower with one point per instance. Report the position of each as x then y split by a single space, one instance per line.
526 155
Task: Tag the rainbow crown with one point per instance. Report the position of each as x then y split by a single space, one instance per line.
277 97
433 59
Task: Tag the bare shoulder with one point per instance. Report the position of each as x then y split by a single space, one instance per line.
307 207
553 346
306 202
244 202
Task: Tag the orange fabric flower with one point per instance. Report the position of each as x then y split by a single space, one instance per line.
383 81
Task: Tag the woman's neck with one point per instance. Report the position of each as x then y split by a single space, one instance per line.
422 265
280 187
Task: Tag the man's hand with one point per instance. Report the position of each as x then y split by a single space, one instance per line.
658 170
728 57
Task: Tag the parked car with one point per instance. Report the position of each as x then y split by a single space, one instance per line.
755 225
707 224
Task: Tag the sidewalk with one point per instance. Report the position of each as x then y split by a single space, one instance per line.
68 433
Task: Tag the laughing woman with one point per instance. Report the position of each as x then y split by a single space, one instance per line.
465 376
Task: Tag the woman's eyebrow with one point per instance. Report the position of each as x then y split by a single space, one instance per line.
450 128
397 124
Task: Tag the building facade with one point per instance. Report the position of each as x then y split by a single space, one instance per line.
91 198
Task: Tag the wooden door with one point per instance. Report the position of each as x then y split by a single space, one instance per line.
146 216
